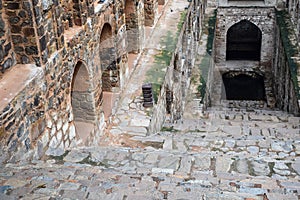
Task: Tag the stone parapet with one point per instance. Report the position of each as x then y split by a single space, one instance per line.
22 107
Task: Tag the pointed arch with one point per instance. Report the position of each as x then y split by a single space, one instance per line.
110 72
81 95
243 41
82 101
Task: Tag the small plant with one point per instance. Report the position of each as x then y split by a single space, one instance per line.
169 129
60 159
181 22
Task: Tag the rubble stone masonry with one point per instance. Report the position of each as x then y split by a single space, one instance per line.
53 47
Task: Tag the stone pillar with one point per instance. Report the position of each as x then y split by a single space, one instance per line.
150 12
134 15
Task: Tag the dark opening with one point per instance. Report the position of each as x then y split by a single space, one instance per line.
243 41
248 86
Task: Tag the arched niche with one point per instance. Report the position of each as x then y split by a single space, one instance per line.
244 86
243 41
110 72
82 101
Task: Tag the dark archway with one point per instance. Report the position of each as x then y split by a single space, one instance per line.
243 41
244 86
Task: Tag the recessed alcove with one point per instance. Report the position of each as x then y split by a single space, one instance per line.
243 86
243 41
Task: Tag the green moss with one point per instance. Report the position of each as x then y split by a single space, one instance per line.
211 32
250 168
286 33
162 60
181 22
271 167
204 67
169 129
60 159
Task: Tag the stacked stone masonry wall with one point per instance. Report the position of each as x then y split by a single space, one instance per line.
264 19
284 90
177 78
7 56
40 119
150 12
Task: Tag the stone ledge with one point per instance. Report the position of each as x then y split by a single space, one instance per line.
246 3
16 80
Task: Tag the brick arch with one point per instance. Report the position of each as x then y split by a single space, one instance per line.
243 41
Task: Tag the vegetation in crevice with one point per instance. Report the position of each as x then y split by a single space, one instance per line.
59 159
211 32
88 160
271 168
169 129
204 67
205 62
286 33
181 21
157 72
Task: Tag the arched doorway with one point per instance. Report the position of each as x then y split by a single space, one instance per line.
243 41
109 68
244 86
82 101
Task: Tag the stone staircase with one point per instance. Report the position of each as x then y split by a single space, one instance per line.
225 154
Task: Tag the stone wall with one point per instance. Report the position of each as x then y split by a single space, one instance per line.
40 117
278 59
264 19
293 7
171 101
150 12
134 12
286 65
7 56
